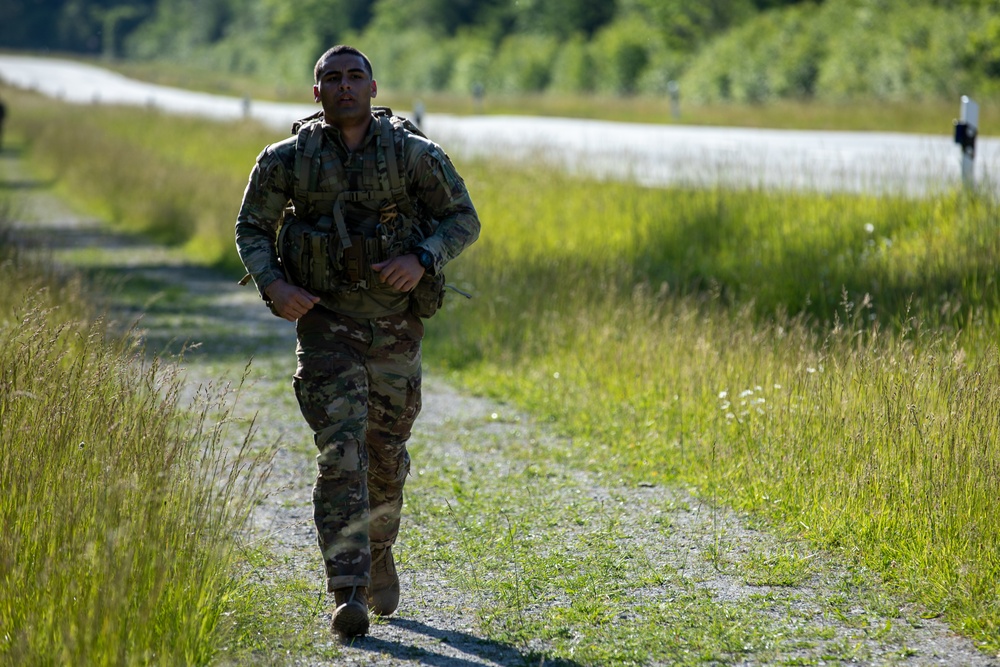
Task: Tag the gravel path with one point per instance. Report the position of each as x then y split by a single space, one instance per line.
437 623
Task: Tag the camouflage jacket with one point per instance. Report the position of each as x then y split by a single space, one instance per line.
435 189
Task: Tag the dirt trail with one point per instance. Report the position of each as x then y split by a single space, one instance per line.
437 621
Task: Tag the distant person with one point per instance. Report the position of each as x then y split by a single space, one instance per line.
3 115
370 212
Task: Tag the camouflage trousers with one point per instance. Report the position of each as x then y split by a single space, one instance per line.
358 386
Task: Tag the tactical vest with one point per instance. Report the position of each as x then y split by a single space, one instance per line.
329 240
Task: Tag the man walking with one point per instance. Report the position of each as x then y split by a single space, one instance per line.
345 229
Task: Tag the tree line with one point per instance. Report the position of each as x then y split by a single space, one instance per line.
743 50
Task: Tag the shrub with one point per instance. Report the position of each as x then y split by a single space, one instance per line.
621 51
523 64
573 67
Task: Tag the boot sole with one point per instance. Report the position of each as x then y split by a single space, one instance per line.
351 620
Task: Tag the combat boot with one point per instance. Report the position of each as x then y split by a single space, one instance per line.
350 618
385 583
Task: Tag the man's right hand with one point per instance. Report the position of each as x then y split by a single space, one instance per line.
290 302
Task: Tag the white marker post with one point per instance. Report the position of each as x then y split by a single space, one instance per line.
966 129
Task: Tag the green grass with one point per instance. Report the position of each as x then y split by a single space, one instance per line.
118 505
592 571
827 362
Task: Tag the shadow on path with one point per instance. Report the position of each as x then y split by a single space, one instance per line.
18 183
476 651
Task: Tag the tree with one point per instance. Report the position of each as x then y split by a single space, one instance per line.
562 18
69 25
439 16
327 20
686 26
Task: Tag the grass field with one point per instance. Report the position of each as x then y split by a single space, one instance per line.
828 362
118 504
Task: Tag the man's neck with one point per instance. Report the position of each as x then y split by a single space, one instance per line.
353 134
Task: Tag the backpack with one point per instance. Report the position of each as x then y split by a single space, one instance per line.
314 244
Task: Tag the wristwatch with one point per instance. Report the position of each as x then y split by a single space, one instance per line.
425 258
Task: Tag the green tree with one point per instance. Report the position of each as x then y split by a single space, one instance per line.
327 21
573 68
69 25
180 27
684 25
523 64
621 51
440 16
561 18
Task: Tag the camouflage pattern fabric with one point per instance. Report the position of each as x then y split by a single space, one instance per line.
435 188
358 386
358 376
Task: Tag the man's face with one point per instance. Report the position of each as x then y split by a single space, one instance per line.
345 89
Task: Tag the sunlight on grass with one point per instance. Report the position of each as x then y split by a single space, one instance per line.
118 506
827 361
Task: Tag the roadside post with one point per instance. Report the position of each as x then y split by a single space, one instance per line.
966 129
674 90
418 113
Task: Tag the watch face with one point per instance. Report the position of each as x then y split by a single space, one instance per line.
426 260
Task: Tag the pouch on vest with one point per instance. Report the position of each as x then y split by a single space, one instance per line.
428 296
311 258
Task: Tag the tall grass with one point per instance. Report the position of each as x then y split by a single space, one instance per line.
828 361
118 507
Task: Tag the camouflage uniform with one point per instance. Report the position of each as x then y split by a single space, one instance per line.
358 375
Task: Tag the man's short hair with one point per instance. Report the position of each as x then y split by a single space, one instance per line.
341 49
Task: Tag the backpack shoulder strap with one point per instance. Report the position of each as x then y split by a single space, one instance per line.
307 144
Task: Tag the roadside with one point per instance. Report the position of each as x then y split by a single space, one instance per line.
656 155
506 555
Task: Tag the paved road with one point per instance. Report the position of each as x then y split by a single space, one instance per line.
654 154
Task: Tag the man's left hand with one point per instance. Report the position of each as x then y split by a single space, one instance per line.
400 273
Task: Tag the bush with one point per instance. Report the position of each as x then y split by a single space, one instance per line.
840 50
775 54
893 51
621 52
473 55
573 67
523 64
412 61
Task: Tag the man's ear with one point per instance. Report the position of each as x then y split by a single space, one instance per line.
316 93
374 88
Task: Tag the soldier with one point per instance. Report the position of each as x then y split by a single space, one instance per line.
345 229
